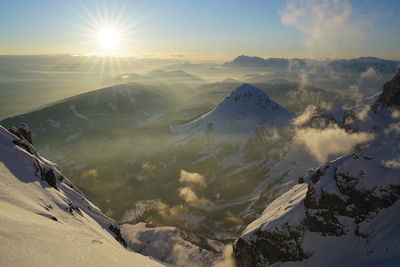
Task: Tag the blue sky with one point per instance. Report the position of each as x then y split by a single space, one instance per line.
199 29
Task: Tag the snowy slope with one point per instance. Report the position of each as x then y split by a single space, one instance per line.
45 220
348 206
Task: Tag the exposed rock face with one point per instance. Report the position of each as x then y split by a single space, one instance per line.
23 139
390 97
22 131
341 199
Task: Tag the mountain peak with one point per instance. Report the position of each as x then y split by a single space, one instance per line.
239 115
250 95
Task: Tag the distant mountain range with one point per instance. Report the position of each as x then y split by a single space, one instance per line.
338 65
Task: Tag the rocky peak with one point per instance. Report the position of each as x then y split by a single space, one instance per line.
247 94
390 97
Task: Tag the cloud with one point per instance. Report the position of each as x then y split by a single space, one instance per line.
329 26
190 197
396 114
168 212
369 74
305 116
394 163
362 113
148 167
365 81
331 141
192 178
90 173
227 259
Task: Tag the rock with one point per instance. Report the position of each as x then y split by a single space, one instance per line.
22 131
117 235
390 97
332 202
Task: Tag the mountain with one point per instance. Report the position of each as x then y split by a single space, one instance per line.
352 65
176 75
215 165
117 145
293 96
45 220
344 212
240 113
256 62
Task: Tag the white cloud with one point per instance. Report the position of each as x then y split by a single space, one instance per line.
305 116
190 197
396 114
394 163
227 259
369 74
329 26
362 114
192 178
329 142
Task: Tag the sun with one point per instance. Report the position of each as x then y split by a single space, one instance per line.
108 40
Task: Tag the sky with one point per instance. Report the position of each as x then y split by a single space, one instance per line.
207 29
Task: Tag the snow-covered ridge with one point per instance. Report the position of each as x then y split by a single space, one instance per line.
343 205
45 220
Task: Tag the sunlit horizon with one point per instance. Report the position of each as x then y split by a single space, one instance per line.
202 31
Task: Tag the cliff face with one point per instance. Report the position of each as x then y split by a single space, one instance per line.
390 97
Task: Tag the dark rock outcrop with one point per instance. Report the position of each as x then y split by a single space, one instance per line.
47 174
22 131
117 235
390 97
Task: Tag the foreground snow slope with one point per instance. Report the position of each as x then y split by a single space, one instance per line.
45 220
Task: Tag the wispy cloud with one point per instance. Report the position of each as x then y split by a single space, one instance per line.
329 26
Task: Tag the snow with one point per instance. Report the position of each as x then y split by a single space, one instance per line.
285 208
43 226
233 122
368 239
170 244
72 107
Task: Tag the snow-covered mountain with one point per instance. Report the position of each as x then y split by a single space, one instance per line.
45 220
345 212
236 118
